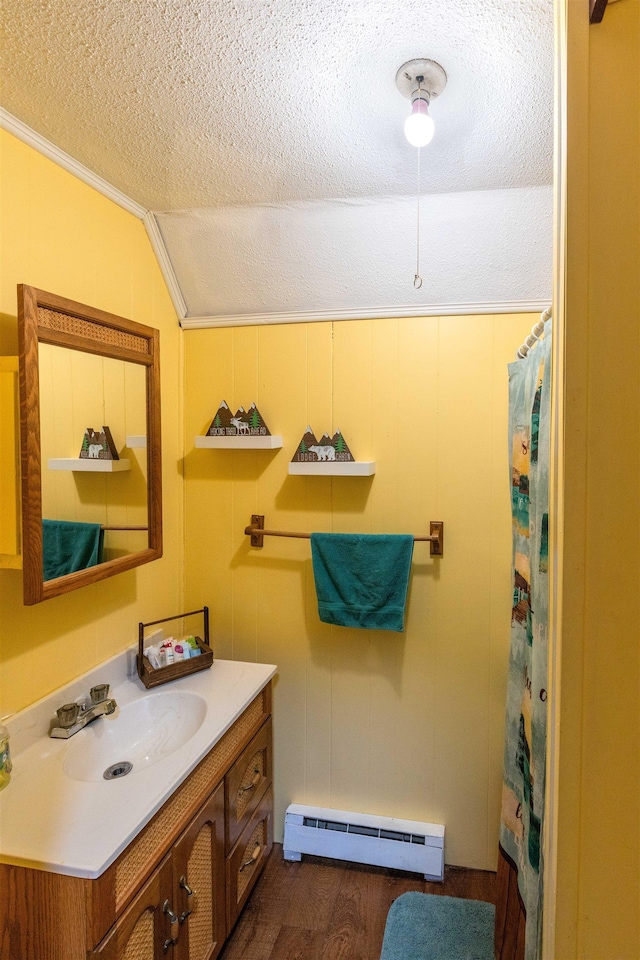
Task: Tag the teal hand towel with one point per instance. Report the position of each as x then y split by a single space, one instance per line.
68 546
362 579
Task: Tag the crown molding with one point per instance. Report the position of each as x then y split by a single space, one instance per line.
372 313
27 135
164 262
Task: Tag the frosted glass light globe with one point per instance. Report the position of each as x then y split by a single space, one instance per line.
419 127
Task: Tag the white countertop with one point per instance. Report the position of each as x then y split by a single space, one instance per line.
52 822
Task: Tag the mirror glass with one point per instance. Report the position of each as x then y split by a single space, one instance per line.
91 499
81 392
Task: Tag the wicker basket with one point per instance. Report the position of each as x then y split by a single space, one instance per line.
153 676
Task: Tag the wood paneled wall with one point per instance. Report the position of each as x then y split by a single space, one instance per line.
409 724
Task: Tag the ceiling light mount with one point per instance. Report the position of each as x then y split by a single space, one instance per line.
424 75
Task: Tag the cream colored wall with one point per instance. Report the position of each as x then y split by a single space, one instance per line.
598 883
58 234
407 724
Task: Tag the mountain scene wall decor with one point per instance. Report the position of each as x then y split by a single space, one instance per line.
325 450
249 423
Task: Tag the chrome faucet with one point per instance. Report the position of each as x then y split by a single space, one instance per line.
72 717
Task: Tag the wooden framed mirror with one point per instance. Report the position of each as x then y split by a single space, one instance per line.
78 365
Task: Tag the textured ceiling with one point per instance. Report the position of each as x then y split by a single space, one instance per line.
195 104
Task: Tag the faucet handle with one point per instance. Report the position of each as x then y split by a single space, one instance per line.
68 714
99 693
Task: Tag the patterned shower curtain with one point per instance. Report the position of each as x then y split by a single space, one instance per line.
526 720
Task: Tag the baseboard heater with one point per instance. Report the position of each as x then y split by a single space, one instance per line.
380 841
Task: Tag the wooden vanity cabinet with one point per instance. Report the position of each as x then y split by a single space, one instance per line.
182 906
179 886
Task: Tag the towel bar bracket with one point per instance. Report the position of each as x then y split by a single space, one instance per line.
257 523
436 529
257 533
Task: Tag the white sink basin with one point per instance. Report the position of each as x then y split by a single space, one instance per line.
141 733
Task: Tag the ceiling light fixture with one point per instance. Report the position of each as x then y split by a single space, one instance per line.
420 80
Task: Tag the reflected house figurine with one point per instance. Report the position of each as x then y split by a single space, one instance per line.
98 445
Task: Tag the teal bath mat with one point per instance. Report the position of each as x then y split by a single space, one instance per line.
422 926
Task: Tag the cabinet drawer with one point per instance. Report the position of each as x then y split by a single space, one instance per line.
247 782
246 860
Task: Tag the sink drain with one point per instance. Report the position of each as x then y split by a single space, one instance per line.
118 770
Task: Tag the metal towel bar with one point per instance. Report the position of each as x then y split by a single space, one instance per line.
257 533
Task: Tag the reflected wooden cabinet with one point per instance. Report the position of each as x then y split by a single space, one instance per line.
178 888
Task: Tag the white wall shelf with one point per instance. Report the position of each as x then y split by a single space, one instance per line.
240 442
337 468
88 465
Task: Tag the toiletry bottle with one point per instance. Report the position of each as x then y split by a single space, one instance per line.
5 757
167 646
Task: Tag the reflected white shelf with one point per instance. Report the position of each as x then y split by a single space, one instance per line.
337 468
137 441
240 442
89 464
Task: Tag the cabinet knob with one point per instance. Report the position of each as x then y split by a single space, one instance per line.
166 907
185 886
257 777
252 859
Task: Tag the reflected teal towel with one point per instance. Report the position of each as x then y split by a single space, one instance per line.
68 546
362 579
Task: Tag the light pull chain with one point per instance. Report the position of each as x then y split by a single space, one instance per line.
417 280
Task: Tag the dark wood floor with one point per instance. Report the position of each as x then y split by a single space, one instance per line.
332 910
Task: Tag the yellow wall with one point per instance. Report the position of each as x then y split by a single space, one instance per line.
598 886
60 235
408 724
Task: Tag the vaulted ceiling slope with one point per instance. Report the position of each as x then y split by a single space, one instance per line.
238 121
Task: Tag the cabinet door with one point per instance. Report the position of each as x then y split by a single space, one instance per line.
198 882
144 931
